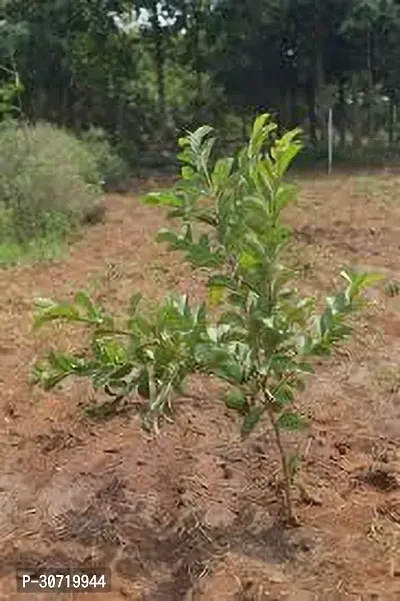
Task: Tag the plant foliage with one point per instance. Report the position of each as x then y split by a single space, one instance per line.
265 335
49 181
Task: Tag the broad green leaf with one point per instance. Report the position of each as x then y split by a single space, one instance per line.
283 395
285 195
251 420
163 199
221 281
83 299
48 378
187 172
200 256
201 133
222 171
182 142
233 319
291 421
359 281
206 216
230 371
171 238
285 150
235 399
206 151
215 295
56 311
108 350
60 361
248 260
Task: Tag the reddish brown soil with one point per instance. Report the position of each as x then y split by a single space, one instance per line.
193 514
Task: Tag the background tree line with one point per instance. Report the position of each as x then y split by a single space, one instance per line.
143 70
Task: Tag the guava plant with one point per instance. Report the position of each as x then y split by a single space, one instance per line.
264 334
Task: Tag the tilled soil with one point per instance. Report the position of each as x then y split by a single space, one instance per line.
193 514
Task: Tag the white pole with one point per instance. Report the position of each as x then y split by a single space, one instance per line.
330 140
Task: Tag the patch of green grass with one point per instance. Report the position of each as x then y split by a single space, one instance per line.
47 248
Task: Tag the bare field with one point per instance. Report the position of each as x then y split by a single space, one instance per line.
191 515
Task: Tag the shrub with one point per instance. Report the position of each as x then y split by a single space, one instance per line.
111 166
47 176
265 335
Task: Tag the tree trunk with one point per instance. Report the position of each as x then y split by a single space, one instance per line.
312 114
293 105
196 27
369 99
318 72
159 56
392 121
342 116
357 124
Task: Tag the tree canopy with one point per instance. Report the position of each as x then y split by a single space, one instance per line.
144 69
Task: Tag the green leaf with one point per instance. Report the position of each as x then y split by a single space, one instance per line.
283 395
251 420
83 300
358 281
291 421
201 133
48 378
55 311
230 371
233 319
222 171
206 216
235 399
221 281
260 133
108 350
163 199
206 151
215 295
171 238
187 172
285 149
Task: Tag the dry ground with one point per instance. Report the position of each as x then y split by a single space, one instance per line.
191 515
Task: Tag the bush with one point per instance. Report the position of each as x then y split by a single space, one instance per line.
266 334
49 182
110 164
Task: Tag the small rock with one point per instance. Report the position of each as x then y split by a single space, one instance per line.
219 516
277 578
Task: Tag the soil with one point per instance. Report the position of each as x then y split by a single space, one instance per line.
194 513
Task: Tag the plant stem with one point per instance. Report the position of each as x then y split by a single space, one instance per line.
292 520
